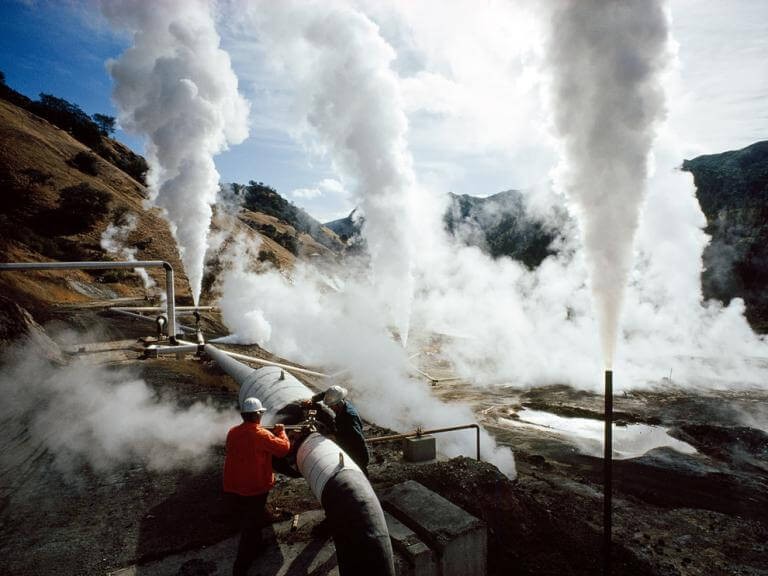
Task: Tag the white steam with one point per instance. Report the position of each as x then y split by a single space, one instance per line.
87 414
349 104
499 323
176 86
114 240
305 319
607 59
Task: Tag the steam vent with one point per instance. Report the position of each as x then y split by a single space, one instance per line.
364 288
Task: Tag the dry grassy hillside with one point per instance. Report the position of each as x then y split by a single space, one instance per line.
37 163
57 198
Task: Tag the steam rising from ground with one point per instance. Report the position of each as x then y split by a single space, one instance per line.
607 58
305 319
498 322
87 414
348 98
176 86
114 240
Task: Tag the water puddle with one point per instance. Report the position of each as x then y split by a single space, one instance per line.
586 435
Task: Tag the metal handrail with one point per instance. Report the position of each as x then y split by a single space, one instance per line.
420 432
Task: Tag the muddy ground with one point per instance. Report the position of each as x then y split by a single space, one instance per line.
699 514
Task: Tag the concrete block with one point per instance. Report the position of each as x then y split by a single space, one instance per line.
458 539
419 449
417 558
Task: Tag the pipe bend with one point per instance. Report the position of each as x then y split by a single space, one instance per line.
355 515
167 266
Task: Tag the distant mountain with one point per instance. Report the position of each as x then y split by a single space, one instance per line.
499 224
732 188
259 197
348 227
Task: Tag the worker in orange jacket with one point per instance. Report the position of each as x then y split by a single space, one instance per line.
248 476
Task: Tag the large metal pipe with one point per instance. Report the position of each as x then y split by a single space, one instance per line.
270 363
354 513
169 287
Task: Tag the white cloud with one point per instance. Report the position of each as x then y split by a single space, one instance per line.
306 193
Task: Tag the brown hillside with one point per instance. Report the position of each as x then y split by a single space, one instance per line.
36 165
40 164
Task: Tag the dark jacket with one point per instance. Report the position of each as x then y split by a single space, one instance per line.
348 429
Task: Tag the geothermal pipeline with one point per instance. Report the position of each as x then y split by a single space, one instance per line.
354 513
169 286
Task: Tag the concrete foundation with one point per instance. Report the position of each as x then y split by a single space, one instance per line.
413 557
419 449
458 540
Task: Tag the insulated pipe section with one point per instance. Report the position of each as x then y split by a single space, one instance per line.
354 512
170 292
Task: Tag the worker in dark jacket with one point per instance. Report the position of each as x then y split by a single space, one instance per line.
248 476
348 428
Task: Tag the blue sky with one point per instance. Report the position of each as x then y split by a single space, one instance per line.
471 89
50 49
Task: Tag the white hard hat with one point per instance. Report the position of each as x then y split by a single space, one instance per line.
251 405
334 395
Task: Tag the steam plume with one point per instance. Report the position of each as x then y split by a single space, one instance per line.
114 240
176 86
349 100
88 414
607 58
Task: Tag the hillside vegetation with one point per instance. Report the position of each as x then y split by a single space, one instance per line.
58 198
64 181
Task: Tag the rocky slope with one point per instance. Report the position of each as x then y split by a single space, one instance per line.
502 225
732 188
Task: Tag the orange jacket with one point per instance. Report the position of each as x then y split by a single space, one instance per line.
248 463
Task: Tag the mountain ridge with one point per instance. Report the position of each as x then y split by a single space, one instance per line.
59 196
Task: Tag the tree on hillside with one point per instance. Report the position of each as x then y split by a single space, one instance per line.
105 123
2 77
85 162
82 206
68 116
34 177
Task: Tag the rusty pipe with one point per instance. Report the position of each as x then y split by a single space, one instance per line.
420 432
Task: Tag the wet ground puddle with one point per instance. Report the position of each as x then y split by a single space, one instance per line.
630 441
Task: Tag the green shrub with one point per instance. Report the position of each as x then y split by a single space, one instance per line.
86 162
81 206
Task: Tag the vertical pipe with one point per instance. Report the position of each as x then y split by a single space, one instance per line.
608 473
171 302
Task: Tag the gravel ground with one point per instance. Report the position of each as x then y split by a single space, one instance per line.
674 514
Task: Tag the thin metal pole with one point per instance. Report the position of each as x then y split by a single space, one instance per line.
170 292
265 362
162 309
608 473
392 437
171 303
